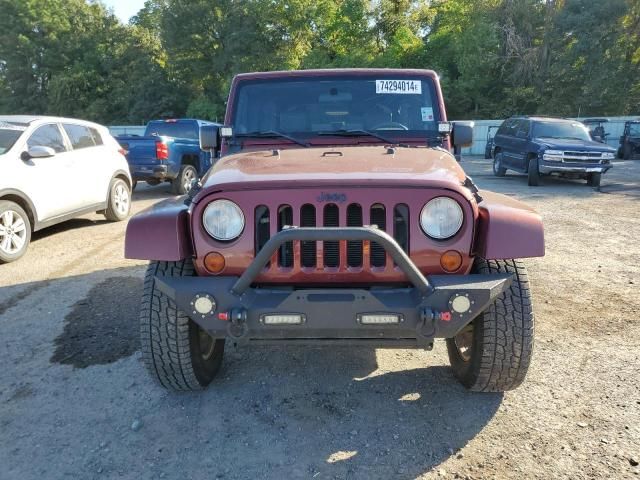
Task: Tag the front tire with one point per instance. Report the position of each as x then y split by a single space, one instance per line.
178 353
493 353
182 183
15 231
533 173
498 169
593 179
119 203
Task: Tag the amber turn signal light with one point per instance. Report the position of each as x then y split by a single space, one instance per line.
451 260
214 262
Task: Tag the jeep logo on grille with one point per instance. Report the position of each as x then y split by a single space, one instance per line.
332 197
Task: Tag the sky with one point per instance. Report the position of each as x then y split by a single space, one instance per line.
124 9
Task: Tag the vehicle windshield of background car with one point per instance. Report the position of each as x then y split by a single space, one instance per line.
303 108
562 130
9 135
634 130
173 129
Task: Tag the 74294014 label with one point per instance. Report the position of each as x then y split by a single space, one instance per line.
399 86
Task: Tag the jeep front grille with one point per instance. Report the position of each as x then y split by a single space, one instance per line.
333 254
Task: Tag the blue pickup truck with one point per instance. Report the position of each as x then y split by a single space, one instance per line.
169 151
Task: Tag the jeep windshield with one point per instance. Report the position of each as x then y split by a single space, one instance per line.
561 130
9 135
369 107
634 130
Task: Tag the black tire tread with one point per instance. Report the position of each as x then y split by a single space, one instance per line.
502 171
164 331
507 333
533 174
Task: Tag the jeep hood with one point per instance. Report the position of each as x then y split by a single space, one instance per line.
358 166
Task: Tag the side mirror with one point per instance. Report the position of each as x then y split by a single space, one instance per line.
38 152
209 139
462 134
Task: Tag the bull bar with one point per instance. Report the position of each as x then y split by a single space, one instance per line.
435 307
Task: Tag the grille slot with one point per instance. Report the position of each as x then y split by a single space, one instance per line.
262 228
285 217
308 249
331 249
354 248
378 217
401 226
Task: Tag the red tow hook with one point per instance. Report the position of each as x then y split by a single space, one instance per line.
224 316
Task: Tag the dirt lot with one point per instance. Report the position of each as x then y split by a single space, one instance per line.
75 401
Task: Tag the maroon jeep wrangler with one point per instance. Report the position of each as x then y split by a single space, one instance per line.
337 215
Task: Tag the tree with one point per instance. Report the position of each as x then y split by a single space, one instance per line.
68 57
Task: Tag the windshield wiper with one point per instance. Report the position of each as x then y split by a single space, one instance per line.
355 133
272 134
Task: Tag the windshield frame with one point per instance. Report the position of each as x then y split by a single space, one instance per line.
580 127
429 81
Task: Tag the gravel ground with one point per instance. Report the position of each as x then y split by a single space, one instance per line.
76 402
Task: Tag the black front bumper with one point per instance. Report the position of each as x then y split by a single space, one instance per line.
428 309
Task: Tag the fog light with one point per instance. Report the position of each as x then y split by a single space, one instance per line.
379 318
214 262
451 260
203 304
283 319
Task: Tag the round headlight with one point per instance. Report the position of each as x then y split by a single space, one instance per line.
223 220
441 218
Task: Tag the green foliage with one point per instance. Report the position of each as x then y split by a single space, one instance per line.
177 57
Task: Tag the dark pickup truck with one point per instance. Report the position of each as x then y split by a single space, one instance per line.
169 151
542 146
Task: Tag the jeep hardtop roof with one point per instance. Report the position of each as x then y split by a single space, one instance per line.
334 71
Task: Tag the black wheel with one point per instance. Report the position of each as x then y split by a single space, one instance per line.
593 179
15 231
492 354
533 174
182 183
498 169
177 352
626 152
119 203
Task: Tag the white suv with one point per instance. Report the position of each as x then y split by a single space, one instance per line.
54 169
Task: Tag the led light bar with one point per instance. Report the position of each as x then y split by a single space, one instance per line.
226 132
283 319
379 318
